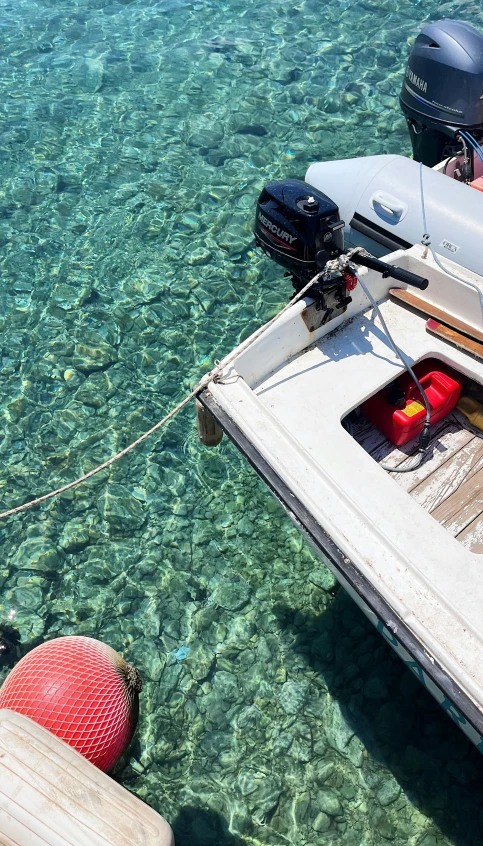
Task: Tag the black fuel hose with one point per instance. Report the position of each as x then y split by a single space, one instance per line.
425 434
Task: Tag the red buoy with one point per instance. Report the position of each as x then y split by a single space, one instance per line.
82 691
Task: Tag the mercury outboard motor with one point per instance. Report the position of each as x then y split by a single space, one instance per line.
442 92
300 228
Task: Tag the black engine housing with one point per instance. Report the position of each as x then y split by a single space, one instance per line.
442 90
298 227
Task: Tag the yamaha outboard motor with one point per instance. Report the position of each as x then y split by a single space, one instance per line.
442 91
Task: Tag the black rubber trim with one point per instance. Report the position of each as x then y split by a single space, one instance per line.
377 233
376 603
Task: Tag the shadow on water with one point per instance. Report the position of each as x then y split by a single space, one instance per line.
197 827
400 724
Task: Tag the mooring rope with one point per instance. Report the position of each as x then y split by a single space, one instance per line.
207 378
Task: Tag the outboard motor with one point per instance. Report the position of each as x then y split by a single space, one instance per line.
300 228
442 92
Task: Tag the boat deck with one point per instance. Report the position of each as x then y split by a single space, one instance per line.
449 483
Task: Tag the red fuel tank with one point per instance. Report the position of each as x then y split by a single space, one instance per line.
398 410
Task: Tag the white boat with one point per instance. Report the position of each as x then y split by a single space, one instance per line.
407 546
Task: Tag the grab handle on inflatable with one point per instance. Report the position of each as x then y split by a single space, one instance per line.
390 206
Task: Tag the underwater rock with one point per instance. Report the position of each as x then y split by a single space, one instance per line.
248 718
93 354
322 822
37 554
338 731
388 792
216 742
75 536
282 743
231 595
68 297
200 660
27 596
30 624
87 75
245 527
301 808
430 840
150 660
96 390
23 192
201 132
73 377
261 792
202 532
199 256
46 181
323 771
386 828
170 679
150 226
127 191
332 104
356 751
121 510
375 688
322 578
148 617
293 696
256 129
234 239
225 687
328 802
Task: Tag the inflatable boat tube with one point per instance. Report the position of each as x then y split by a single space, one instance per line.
379 198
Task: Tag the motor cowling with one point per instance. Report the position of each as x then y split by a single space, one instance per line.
442 91
298 227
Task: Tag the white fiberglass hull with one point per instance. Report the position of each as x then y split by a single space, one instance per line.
282 401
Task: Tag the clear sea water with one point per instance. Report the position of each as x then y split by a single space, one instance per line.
134 139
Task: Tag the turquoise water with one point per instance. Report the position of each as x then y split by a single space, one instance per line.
134 139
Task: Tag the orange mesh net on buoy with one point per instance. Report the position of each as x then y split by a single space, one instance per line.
82 691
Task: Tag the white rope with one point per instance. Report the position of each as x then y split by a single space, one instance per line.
207 378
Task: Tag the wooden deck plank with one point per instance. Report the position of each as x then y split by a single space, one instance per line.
472 536
443 446
393 456
447 480
449 483
459 510
367 435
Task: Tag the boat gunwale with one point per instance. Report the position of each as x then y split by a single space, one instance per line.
347 569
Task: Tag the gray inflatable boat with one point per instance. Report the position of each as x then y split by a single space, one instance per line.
381 198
